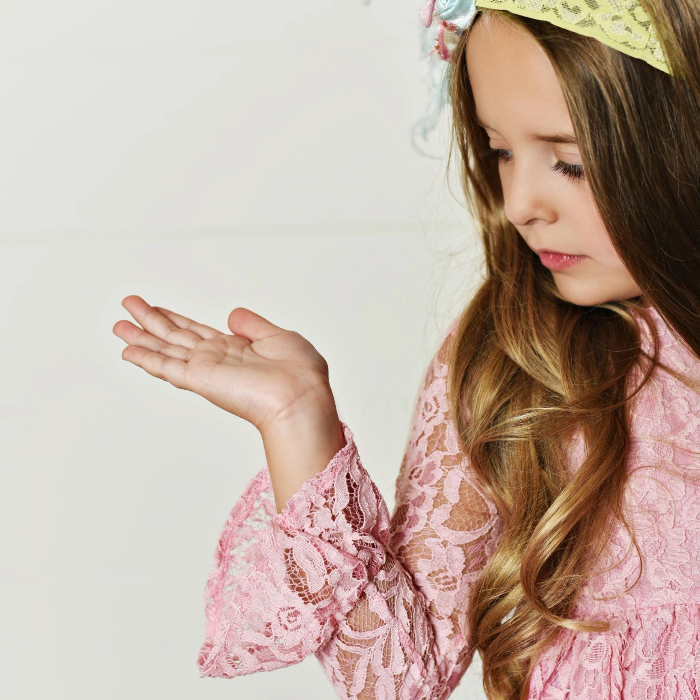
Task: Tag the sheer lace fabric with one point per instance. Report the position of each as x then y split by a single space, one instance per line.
622 24
381 600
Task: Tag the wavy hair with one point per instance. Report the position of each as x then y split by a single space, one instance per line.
527 368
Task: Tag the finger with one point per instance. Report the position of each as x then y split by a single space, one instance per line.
158 325
180 321
247 324
168 368
134 335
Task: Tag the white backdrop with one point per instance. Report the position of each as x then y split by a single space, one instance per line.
203 155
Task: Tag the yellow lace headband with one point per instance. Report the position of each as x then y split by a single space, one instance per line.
621 24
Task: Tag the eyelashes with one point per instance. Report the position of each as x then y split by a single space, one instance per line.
572 172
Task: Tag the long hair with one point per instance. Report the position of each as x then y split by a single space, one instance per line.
527 368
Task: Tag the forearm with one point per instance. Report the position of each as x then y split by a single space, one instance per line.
300 447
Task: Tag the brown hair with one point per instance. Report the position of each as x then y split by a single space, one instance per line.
527 368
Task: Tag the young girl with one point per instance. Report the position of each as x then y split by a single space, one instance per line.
548 502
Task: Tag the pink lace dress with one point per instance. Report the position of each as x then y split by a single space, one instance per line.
381 600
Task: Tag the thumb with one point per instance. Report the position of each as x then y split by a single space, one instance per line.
247 324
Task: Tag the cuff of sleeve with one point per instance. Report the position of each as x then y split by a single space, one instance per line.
300 505
304 572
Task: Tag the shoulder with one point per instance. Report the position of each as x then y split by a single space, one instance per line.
441 356
444 345
434 386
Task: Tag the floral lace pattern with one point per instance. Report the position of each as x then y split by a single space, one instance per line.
622 24
653 648
382 600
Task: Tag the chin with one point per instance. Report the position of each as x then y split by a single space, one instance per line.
581 296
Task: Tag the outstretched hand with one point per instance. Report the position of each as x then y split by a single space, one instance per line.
262 373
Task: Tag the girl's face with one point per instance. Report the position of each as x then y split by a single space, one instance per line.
518 100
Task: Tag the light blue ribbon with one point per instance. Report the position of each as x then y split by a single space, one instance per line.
459 12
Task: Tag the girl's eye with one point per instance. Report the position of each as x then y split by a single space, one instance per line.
573 172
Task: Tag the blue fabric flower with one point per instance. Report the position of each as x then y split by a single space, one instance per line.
458 12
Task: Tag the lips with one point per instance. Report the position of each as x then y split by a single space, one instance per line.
539 251
559 261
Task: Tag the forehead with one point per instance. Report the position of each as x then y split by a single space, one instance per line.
514 84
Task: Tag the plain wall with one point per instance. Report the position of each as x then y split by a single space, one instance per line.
203 155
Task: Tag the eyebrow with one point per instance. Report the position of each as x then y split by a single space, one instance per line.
563 137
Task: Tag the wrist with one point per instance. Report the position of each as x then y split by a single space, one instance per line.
313 405
299 447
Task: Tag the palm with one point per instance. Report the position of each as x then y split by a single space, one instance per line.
259 374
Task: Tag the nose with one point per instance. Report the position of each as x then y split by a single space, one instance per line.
527 197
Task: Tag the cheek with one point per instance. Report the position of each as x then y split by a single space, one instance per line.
603 277
594 237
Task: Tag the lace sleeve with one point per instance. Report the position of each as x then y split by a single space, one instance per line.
381 601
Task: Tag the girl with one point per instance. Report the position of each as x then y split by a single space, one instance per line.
548 503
